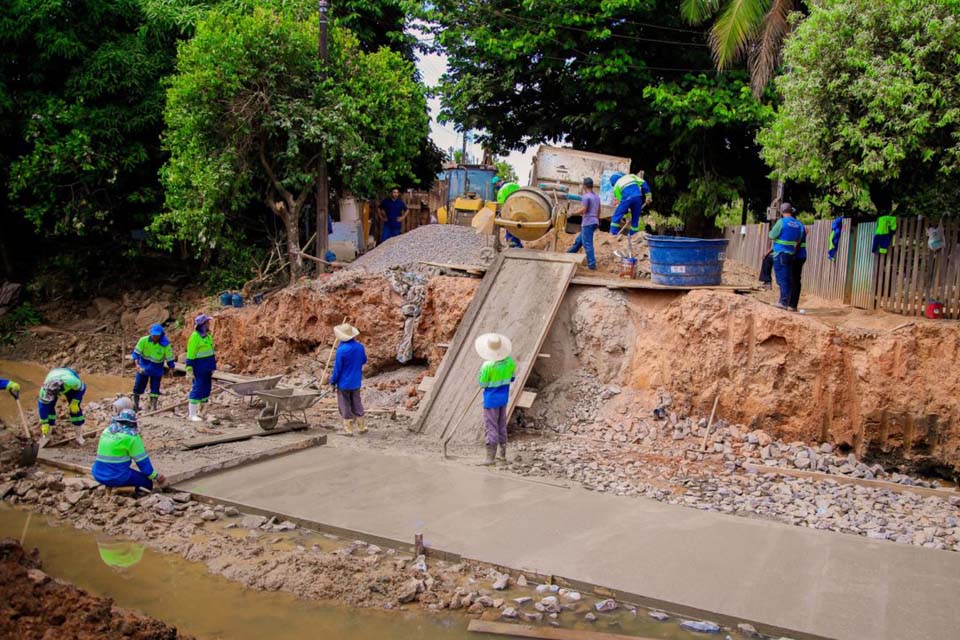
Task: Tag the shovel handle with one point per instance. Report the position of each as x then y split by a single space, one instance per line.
23 421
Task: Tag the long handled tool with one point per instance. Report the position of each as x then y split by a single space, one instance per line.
460 421
28 455
333 348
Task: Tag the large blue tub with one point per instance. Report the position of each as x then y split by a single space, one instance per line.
685 262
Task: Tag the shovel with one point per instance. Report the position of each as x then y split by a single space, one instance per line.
459 422
28 455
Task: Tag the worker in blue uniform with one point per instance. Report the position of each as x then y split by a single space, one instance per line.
788 234
504 190
633 193
11 387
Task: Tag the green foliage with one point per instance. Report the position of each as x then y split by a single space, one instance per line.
619 77
871 105
248 118
18 319
505 170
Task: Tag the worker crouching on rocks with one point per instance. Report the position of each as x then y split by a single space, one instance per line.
347 377
201 363
150 355
496 374
120 444
68 382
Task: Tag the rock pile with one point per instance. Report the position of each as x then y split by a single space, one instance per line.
442 243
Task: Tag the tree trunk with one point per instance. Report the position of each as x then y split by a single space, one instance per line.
291 222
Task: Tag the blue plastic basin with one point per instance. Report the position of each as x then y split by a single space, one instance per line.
686 262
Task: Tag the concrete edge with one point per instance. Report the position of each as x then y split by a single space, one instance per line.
676 609
230 463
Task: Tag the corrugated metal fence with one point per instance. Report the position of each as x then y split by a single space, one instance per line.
900 281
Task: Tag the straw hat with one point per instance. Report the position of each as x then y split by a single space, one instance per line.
345 331
493 346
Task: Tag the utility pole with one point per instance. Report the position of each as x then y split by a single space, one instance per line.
323 188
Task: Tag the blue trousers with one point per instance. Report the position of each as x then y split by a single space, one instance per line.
390 229
133 478
634 205
783 269
202 383
514 241
140 384
585 240
48 411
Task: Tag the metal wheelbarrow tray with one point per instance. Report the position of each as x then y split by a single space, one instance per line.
250 388
291 404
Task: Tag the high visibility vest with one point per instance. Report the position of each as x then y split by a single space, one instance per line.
792 235
624 183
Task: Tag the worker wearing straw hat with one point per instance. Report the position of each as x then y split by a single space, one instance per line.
347 377
496 374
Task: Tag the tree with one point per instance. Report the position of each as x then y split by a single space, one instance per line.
247 116
752 29
505 170
578 71
870 105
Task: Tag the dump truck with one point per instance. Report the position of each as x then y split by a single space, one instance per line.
562 170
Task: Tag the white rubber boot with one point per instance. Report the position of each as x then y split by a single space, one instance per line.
194 413
78 435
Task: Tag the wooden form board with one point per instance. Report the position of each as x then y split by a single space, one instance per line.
525 401
519 297
543 633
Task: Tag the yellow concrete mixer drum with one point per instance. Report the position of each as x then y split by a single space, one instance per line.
527 213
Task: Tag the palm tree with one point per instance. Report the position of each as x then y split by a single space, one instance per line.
754 29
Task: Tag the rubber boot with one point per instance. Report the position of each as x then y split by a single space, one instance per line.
154 400
361 425
347 427
78 435
491 458
192 408
502 453
136 402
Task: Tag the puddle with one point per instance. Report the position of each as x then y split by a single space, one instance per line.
30 375
186 595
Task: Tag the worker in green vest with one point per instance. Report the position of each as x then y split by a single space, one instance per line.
201 363
505 190
150 355
496 374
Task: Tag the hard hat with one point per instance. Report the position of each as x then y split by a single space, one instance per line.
156 330
614 178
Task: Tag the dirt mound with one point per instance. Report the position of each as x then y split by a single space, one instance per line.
298 322
887 395
33 605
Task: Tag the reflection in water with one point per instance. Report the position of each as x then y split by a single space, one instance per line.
120 554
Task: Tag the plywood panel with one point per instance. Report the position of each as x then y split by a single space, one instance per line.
518 297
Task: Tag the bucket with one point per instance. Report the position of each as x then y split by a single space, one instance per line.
686 262
934 310
225 299
237 300
628 268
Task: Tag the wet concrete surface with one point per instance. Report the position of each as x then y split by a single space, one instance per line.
814 582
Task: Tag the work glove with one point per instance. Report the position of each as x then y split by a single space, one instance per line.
45 430
74 407
189 371
14 390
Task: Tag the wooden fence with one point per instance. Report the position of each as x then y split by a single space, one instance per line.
901 281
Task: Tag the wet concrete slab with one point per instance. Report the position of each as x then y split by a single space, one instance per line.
812 582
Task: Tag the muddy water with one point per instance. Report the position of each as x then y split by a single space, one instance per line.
30 375
185 595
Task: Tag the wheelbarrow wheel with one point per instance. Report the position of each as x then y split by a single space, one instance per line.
268 418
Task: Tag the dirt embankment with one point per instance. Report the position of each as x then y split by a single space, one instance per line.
298 322
33 605
888 395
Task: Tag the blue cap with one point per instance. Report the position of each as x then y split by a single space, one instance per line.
128 416
156 330
614 178
496 180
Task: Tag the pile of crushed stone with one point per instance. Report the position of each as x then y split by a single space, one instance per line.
442 243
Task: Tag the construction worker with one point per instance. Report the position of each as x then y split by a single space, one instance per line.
150 354
787 235
120 444
347 377
590 220
12 388
796 273
392 212
201 363
68 382
504 190
496 374
633 193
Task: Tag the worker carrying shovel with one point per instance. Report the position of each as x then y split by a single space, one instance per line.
347 377
496 374
12 388
150 355
61 381
633 193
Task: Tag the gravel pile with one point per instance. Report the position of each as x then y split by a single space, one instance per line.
444 243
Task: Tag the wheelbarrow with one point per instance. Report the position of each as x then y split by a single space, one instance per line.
290 404
249 388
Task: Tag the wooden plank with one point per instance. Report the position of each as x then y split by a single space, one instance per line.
199 443
547 256
862 482
526 398
426 384
627 283
519 296
543 633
